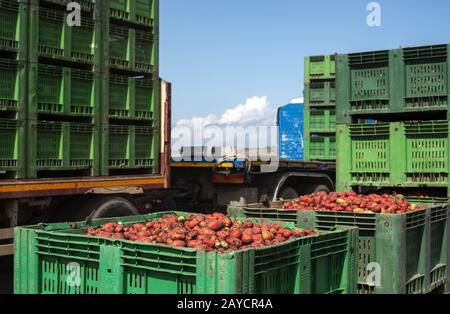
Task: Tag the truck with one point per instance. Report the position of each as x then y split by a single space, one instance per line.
239 179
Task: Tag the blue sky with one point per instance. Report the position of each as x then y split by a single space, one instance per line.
218 53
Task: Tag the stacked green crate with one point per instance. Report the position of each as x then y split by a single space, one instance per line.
131 124
63 86
13 27
406 92
321 264
320 108
63 146
131 146
54 32
395 84
410 249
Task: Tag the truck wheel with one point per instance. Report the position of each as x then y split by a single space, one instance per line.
317 188
97 207
107 207
288 193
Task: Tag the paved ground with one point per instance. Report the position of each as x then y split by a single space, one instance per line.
6 275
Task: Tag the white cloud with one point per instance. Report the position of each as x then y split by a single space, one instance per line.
245 125
255 111
297 100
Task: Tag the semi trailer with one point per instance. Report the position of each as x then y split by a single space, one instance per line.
238 178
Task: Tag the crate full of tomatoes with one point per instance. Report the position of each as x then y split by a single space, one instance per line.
409 241
185 253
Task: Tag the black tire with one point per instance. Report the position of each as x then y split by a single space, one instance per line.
98 207
317 188
288 193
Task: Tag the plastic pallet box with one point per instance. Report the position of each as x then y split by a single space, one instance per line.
131 49
58 146
392 83
13 76
402 154
320 93
12 149
85 5
410 250
131 147
320 147
144 99
142 12
320 119
51 37
131 97
45 257
13 27
64 91
320 68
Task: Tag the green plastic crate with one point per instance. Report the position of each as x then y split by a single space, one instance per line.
135 11
320 93
63 146
406 154
13 24
120 45
411 249
86 5
64 91
81 145
318 264
144 99
49 145
51 31
83 92
120 146
120 9
145 11
13 86
50 89
120 100
12 149
131 147
83 40
399 81
320 119
320 68
144 51
51 37
132 49
320 147
144 147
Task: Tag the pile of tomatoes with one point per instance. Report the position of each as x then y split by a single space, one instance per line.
209 232
352 202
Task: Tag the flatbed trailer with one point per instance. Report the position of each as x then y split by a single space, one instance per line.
223 182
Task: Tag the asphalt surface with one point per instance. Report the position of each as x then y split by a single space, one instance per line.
6 274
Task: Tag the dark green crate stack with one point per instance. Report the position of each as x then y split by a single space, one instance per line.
45 256
131 123
13 76
406 92
320 108
410 251
63 86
